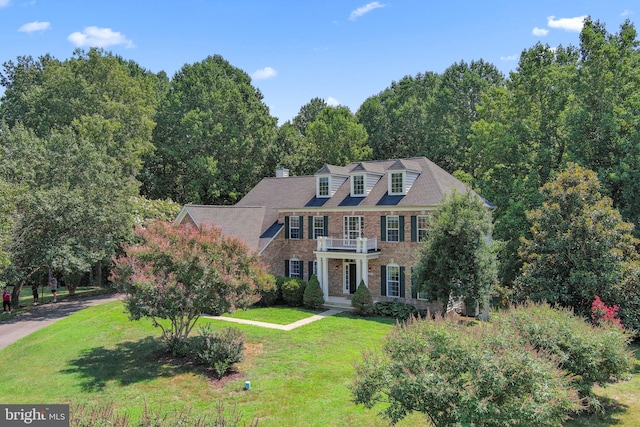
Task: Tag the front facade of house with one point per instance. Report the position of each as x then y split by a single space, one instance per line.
345 224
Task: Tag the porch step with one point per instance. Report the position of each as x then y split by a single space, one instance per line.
338 303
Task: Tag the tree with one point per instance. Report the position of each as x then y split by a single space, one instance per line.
313 296
461 375
179 273
458 258
579 247
337 138
213 131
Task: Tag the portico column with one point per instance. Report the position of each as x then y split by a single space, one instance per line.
365 269
324 268
358 272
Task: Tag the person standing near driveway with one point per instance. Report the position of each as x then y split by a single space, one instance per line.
54 287
6 300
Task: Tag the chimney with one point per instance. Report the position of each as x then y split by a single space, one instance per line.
281 172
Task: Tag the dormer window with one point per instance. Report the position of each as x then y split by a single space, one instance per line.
357 185
323 186
396 183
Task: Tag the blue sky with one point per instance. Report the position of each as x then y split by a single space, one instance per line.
343 51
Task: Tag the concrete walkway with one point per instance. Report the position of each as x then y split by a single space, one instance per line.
288 327
27 322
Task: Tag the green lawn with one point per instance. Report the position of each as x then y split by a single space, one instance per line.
278 315
298 378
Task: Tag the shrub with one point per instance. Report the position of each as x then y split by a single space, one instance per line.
313 296
220 350
293 291
397 310
270 296
601 313
591 354
362 300
463 375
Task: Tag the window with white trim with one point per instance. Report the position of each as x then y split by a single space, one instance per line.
318 226
357 185
294 227
396 183
393 228
422 224
294 268
323 186
393 280
353 226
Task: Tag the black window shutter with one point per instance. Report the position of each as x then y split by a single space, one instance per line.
401 225
286 268
286 227
301 222
301 264
326 226
414 228
310 269
402 286
311 227
383 280
383 228
414 291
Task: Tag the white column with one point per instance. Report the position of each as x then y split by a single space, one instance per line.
365 269
358 272
325 276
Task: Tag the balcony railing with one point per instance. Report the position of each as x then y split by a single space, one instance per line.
360 245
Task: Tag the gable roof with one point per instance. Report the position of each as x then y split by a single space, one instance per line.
243 223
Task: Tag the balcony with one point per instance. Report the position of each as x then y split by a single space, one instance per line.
361 245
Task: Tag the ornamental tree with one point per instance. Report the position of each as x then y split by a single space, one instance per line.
579 247
458 259
178 273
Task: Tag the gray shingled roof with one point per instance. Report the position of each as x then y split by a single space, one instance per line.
258 210
242 222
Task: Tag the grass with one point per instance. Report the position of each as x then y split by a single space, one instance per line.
298 378
278 315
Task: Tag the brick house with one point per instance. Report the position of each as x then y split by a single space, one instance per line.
363 221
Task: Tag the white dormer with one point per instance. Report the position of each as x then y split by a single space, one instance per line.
328 180
400 179
359 185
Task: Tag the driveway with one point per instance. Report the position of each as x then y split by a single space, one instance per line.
11 330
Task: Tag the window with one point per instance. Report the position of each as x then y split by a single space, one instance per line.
353 227
393 228
295 269
318 226
396 183
393 281
323 186
358 185
294 227
422 225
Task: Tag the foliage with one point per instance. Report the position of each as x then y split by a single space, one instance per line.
313 297
579 245
178 273
362 300
104 414
293 291
458 259
212 133
220 350
272 294
590 354
396 309
601 313
461 375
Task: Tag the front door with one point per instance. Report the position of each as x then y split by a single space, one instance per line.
350 284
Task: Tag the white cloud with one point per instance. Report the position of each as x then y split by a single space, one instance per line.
365 9
509 58
332 102
99 37
4 3
34 26
265 73
541 32
626 12
568 24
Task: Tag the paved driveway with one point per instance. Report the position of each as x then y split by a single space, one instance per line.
11 330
